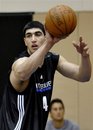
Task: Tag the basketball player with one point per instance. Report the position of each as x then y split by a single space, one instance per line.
58 121
28 92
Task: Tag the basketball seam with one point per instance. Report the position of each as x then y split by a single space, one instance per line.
74 18
54 22
65 22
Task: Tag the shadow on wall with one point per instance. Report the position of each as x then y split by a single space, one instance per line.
11 41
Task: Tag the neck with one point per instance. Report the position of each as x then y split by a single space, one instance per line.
58 124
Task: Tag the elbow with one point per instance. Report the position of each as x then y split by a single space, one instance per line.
85 79
22 75
88 78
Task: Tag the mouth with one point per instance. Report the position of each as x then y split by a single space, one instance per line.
35 47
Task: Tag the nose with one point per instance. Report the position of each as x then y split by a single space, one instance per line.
33 37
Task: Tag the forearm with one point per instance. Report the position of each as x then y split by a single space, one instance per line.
37 58
85 69
28 66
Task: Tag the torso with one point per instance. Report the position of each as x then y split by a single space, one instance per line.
68 125
18 109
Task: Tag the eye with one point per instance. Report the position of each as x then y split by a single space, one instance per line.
28 35
38 34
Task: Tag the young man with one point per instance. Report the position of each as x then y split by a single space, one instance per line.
57 111
28 93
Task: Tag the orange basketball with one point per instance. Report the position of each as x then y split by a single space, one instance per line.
60 21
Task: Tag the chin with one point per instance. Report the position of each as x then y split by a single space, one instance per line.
59 119
32 51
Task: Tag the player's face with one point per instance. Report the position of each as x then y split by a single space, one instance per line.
57 112
33 39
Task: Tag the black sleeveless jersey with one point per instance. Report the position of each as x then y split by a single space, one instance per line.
28 110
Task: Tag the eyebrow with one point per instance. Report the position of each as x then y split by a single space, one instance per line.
34 32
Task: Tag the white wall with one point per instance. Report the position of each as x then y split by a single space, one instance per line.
43 5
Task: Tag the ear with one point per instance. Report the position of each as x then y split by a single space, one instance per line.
25 41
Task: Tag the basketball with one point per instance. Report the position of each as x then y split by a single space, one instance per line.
60 21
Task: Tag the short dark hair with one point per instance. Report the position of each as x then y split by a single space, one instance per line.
56 100
33 24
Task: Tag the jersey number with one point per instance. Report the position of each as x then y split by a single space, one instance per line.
45 106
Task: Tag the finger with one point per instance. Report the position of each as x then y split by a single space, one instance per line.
80 39
85 48
82 45
75 45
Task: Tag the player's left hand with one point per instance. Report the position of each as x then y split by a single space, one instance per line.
81 47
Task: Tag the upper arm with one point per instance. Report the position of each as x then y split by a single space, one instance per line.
67 69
